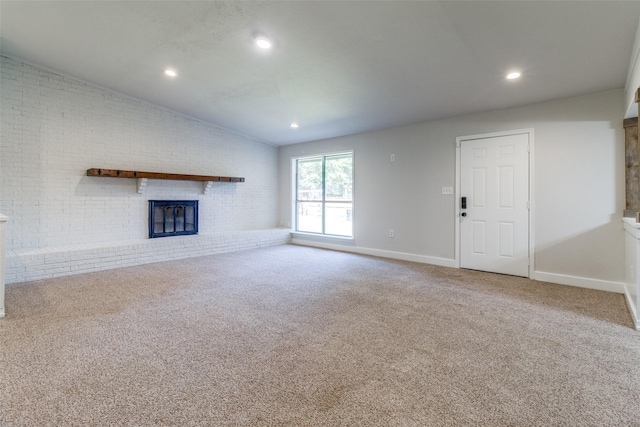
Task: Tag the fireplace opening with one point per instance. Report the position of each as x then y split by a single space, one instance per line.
172 218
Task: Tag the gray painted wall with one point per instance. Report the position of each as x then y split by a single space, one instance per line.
578 183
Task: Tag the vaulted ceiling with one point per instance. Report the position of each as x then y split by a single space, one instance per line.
337 67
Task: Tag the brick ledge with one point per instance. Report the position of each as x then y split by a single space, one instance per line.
28 265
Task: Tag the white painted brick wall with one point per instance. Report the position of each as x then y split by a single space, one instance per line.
54 127
36 264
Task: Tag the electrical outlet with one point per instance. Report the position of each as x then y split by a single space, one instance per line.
391 234
392 158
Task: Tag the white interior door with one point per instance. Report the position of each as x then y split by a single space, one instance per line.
494 227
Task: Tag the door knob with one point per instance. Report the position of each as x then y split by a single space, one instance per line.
463 214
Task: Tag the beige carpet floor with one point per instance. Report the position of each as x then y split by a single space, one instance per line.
297 336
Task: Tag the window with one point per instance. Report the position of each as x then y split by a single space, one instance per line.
324 194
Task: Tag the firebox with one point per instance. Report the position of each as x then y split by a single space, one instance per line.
172 218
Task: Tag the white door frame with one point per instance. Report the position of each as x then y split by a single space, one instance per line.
459 141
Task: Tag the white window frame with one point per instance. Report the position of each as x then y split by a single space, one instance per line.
294 201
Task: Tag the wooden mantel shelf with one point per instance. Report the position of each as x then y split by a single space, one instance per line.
143 176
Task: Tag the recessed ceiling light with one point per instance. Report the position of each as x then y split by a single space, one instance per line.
263 42
514 75
171 73
294 125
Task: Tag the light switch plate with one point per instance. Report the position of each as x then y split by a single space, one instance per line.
447 190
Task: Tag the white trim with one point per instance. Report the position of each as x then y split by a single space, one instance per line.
632 308
293 172
294 181
328 238
456 211
631 226
323 154
581 282
532 204
631 235
3 249
459 140
444 262
560 279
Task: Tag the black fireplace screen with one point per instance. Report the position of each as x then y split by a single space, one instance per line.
172 218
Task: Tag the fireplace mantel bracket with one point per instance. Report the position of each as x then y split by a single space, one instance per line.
207 187
142 183
142 177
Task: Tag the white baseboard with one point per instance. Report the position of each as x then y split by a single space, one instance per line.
581 282
444 262
561 279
